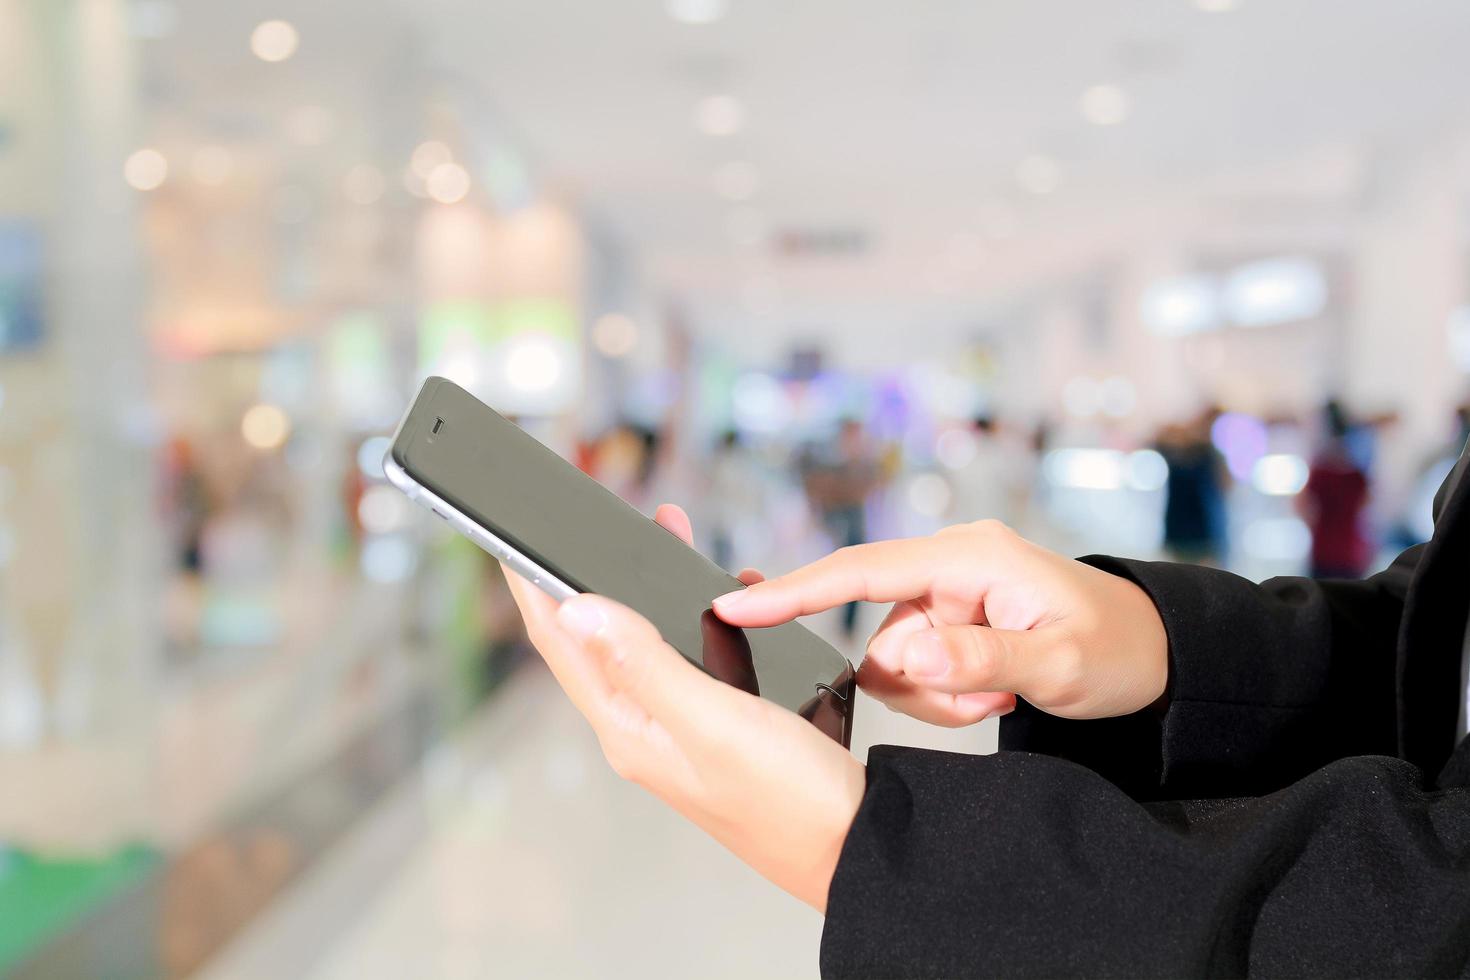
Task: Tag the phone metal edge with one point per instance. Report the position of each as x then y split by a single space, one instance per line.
480 535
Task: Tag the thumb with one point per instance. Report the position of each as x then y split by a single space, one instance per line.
1037 663
687 702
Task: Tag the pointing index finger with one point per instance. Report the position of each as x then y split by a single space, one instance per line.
884 571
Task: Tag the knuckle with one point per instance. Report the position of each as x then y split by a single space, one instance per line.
986 530
993 528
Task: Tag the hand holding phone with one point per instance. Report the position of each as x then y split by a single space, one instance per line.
567 534
758 778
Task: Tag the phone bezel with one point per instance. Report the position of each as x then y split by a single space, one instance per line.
492 543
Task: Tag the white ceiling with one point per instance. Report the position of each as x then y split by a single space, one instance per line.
908 120
903 120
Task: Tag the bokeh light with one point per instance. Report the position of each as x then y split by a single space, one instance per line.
428 156
265 426
1279 474
697 11
449 183
533 363
145 169
274 40
371 454
615 334
1104 105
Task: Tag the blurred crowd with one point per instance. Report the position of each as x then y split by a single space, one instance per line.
1207 489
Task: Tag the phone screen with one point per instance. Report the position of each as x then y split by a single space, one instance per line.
504 479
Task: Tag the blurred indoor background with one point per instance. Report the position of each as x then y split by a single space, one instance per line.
1154 277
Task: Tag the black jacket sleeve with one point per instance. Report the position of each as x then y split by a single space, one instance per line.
1025 865
1266 683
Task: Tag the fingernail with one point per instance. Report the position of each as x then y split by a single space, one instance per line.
580 618
926 656
730 600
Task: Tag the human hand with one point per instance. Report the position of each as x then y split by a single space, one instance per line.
981 615
758 778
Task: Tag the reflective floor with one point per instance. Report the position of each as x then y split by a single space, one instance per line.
513 851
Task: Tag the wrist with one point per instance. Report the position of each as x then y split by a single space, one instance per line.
1150 641
833 837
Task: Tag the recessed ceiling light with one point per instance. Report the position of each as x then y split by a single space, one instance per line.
719 115
449 183
697 11
274 40
1104 105
145 169
428 156
1217 6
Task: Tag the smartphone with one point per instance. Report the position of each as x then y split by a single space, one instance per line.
566 533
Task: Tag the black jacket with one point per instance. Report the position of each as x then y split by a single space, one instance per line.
1320 822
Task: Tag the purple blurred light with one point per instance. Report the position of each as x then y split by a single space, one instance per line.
1241 439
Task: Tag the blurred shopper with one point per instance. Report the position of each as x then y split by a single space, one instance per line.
1220 777
186 504
737 499
1416 519
623 461
1194 503
838 479
187 509
1335 502
353 486
996 479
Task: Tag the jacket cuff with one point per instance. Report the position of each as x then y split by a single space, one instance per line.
1226 707
963 865
898 878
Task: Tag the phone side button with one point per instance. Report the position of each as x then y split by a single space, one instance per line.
496 551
